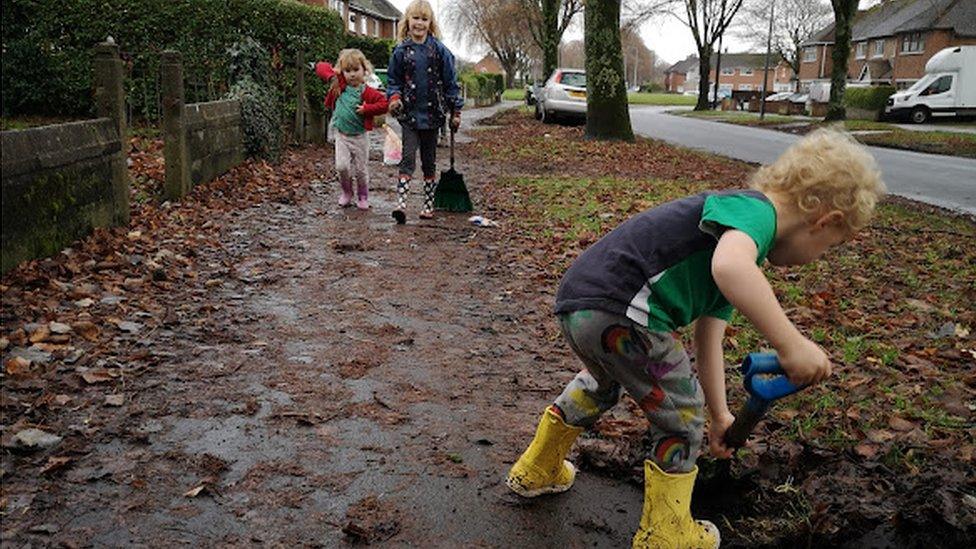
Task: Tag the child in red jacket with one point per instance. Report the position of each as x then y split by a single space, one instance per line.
353 105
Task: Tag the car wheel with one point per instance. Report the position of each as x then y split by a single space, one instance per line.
920 115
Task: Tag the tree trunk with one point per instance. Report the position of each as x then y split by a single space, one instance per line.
844 12
607 115
550 37
704 68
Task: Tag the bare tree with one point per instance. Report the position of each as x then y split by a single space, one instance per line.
489 23
793 22
607 114
844 13
708 20
547 21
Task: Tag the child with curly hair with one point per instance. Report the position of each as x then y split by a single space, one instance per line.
422 87
693 260
353 105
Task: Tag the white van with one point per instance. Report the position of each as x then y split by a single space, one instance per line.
948 88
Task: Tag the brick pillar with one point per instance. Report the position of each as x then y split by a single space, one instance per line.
174 130
110 103
300 98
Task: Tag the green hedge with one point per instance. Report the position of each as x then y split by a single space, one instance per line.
871 98
482 88
47 48
377 50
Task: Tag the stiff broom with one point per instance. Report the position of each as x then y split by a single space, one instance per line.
451 193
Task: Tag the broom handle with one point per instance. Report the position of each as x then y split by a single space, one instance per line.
452 148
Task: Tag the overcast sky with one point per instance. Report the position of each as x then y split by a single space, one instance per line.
670 38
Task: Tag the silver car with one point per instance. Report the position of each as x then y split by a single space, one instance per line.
564 95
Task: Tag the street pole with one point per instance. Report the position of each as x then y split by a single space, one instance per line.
769 43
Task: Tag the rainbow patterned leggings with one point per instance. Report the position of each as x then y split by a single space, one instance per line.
620 355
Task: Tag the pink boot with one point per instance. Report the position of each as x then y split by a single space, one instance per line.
362 190
346 198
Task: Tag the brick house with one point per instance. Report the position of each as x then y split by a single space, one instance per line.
742 74
891 42
676 75
489 64
373 18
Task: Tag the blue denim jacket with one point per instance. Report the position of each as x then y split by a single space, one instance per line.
423 76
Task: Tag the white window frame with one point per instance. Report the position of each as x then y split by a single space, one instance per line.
352 21
745 87
746 72
861 50
810 54
912 43
879 46
726 71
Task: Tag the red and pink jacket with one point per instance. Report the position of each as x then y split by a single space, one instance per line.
374 102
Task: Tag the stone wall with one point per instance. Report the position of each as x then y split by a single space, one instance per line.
59 182
214 139
201 141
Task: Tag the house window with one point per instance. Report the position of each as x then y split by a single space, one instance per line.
862 50
745 87
352 22
362 25
728 72
747 72
809 54
912 42
879 48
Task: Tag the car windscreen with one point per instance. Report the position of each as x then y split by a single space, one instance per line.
577 79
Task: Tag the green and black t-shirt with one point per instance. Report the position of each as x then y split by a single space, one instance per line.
656 267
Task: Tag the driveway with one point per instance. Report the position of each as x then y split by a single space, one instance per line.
949 182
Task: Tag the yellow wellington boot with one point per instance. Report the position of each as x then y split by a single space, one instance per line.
542 468
666 522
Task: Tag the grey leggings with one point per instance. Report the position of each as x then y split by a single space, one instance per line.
621 355
426 140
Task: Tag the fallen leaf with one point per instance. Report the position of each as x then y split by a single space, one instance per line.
98 376
55 463
18 366
194 492
59 328
880 435
36 439
866 451
40 334
87 330
900 424
85 303
128 327
114 400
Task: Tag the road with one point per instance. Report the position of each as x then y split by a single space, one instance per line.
946 181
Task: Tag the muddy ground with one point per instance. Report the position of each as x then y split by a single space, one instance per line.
291 373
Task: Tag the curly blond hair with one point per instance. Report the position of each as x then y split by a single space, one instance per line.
824 171
418 7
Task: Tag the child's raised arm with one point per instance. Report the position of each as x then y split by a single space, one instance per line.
325 71
745 286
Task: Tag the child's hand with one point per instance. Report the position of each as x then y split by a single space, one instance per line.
361 108
804 362
395 107
455 121
717 427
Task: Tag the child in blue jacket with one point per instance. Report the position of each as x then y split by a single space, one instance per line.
422 87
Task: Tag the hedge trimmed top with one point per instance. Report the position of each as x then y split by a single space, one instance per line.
47 47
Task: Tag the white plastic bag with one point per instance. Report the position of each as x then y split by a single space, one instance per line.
392 148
